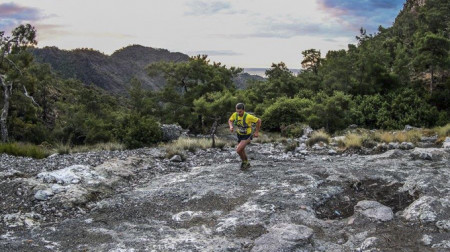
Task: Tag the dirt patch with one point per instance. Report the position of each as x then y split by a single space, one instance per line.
250 231
342 205
211 202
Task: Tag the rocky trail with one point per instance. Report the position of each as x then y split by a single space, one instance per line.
305 200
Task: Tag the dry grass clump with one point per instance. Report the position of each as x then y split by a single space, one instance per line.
353 141
318 136
269 137
443 131
412 136
386 137
67 149
183 144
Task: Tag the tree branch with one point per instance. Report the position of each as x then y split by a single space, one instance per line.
29 96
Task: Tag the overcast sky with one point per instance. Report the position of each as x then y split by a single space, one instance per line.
244 33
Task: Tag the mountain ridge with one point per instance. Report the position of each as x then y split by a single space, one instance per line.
111 73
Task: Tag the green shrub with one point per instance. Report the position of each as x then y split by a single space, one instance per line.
23 150
141 131
285 112
293 130
290 146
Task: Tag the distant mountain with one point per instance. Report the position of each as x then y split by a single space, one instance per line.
111 73
243 79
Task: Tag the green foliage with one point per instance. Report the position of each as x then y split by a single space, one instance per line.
331 112
285 112
293 130
141 131
406 107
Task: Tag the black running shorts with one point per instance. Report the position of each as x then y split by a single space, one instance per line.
244 137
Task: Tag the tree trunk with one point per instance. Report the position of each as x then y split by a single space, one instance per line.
432 79
213 132
4 115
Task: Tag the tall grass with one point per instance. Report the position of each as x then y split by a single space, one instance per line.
183 144
412 136
353 141
24 150
67 149
269 137
318 136
443 131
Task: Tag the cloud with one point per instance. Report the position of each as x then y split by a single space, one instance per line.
205 8
363 13
298 28
216 53
12 15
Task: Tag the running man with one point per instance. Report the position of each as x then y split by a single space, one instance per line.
243 121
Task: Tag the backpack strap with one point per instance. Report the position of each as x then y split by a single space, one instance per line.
244 120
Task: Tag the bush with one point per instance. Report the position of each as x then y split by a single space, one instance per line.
23 150
285 112
318 136
293 130
141 131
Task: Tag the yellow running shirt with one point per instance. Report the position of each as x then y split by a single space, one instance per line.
241 130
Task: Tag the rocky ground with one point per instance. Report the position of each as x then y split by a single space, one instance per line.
310 199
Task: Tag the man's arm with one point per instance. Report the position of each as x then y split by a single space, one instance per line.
230 123
258 125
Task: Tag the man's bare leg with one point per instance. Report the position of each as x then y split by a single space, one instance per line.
240 149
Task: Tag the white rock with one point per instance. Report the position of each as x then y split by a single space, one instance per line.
283 237
443 225
374 210
426 240
69 175
443 244
368 243
43 194
421 210
176 158
446 143
332 152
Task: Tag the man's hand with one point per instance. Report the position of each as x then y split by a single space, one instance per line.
256 134
231 128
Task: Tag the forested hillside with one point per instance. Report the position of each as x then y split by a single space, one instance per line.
111 73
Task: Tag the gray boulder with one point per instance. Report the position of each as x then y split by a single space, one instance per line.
393 145
43 194
409 127
171 132
432 154
421 210
374 210
284 237
406 146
